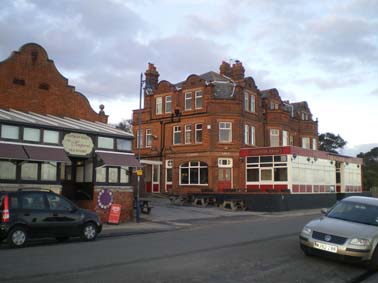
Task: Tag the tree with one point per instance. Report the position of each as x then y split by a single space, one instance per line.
126 125
330 142
370 169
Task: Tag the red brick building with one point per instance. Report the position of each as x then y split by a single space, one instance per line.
192 131
51 138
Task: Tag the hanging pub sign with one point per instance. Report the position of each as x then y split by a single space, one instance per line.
77 144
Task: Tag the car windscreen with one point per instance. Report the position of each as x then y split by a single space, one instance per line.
355 212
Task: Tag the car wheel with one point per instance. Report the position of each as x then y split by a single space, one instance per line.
62 239
17 237
306 250
89 232
372 264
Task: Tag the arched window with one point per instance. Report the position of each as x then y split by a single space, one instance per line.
194 173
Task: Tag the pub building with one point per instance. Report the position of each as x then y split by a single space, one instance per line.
51 138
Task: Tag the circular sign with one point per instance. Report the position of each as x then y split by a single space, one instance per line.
105 198
77 144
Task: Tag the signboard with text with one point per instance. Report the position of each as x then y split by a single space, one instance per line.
77 144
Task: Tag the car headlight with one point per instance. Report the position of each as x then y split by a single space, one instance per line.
360 242
306 231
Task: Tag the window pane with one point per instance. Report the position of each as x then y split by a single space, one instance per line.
123 144
88 171
29 171
225 132
9 132
124 175
188 134
168 104
48 171
104 142
148 137
113 175
203 176
33 201
184 176
252 103
176 135
50 136
253 175
198 133
31 134
280 174
7 170
266 175
80 174
198 101
194 176
159 105
101 175
58 203
188 101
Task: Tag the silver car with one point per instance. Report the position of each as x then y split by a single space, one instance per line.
349 230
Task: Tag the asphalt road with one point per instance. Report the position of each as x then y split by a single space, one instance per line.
244 249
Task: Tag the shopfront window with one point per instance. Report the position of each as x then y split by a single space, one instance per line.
124 175
101 175
10 132
49 171
7 170
29 171
104 142
50 136
123 144
31 134
113 175
267 168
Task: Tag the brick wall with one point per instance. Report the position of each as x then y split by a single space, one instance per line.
30 81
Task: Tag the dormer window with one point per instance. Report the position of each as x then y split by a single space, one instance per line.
304 116
198 99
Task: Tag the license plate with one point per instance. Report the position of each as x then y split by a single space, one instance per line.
325 247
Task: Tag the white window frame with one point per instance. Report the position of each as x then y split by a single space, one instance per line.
188 134
225 126
246 134
252 103
159 105
285 139
176 132
188 101
198 99
246 101
168 104
274 133
148 137
306 142
253 136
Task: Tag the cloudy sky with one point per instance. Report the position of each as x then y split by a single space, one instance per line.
324 52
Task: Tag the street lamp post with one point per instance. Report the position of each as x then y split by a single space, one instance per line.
137 205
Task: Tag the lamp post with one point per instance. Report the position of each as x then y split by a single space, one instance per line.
137 205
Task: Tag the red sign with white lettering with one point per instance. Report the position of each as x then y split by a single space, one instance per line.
114 214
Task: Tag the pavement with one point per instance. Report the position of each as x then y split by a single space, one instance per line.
166 216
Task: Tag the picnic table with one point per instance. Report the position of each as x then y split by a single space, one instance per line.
234 204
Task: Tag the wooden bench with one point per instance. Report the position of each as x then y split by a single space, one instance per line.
234 204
